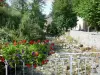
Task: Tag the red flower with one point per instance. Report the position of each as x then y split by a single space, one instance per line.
31 42
28 65
34 65
36 53
46 41
51 48
15 43
46 61
43 62
35 43
2 59
52 44
23 41
38 41
1 0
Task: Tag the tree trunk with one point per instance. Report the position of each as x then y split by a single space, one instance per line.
88 28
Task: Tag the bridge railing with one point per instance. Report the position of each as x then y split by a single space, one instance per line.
78 63
87 63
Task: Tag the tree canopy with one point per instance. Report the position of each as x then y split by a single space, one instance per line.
89 10
25 19
64 17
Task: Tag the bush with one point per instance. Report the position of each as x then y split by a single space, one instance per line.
29 52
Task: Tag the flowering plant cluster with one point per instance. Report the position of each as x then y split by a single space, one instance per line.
31 53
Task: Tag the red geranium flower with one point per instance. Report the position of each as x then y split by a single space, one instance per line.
23 41
1 0
34 65
2 59
31 42
36 53
52 44
46 61
35 43
28 65
43 62
38 41
51 48
15 43
46 41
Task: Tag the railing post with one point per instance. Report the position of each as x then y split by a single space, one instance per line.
32 69
78 65
55 66
71 60
92 64
63 65
6 67
23 67
15 68
85 65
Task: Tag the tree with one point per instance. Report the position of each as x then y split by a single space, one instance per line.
89 10
63 15
32 23
9 18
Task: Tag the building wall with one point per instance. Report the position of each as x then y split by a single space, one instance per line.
81 24
90 39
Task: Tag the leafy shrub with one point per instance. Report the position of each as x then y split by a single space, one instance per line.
8 35
29 52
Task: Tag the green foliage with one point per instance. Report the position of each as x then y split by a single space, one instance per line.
63 16
32 23
54 30
17 53
2 68
89 10
9 18
23 18
8 35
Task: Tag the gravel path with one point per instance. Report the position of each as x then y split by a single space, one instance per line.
57 67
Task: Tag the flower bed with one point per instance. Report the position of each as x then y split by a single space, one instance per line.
31 53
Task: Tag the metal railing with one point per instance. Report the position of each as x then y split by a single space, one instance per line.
87 63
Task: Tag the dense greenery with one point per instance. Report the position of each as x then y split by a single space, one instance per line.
24 19
63 16
33 52
89 10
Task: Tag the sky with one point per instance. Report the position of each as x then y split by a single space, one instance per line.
46 9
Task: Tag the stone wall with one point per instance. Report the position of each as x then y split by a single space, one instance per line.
90 39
